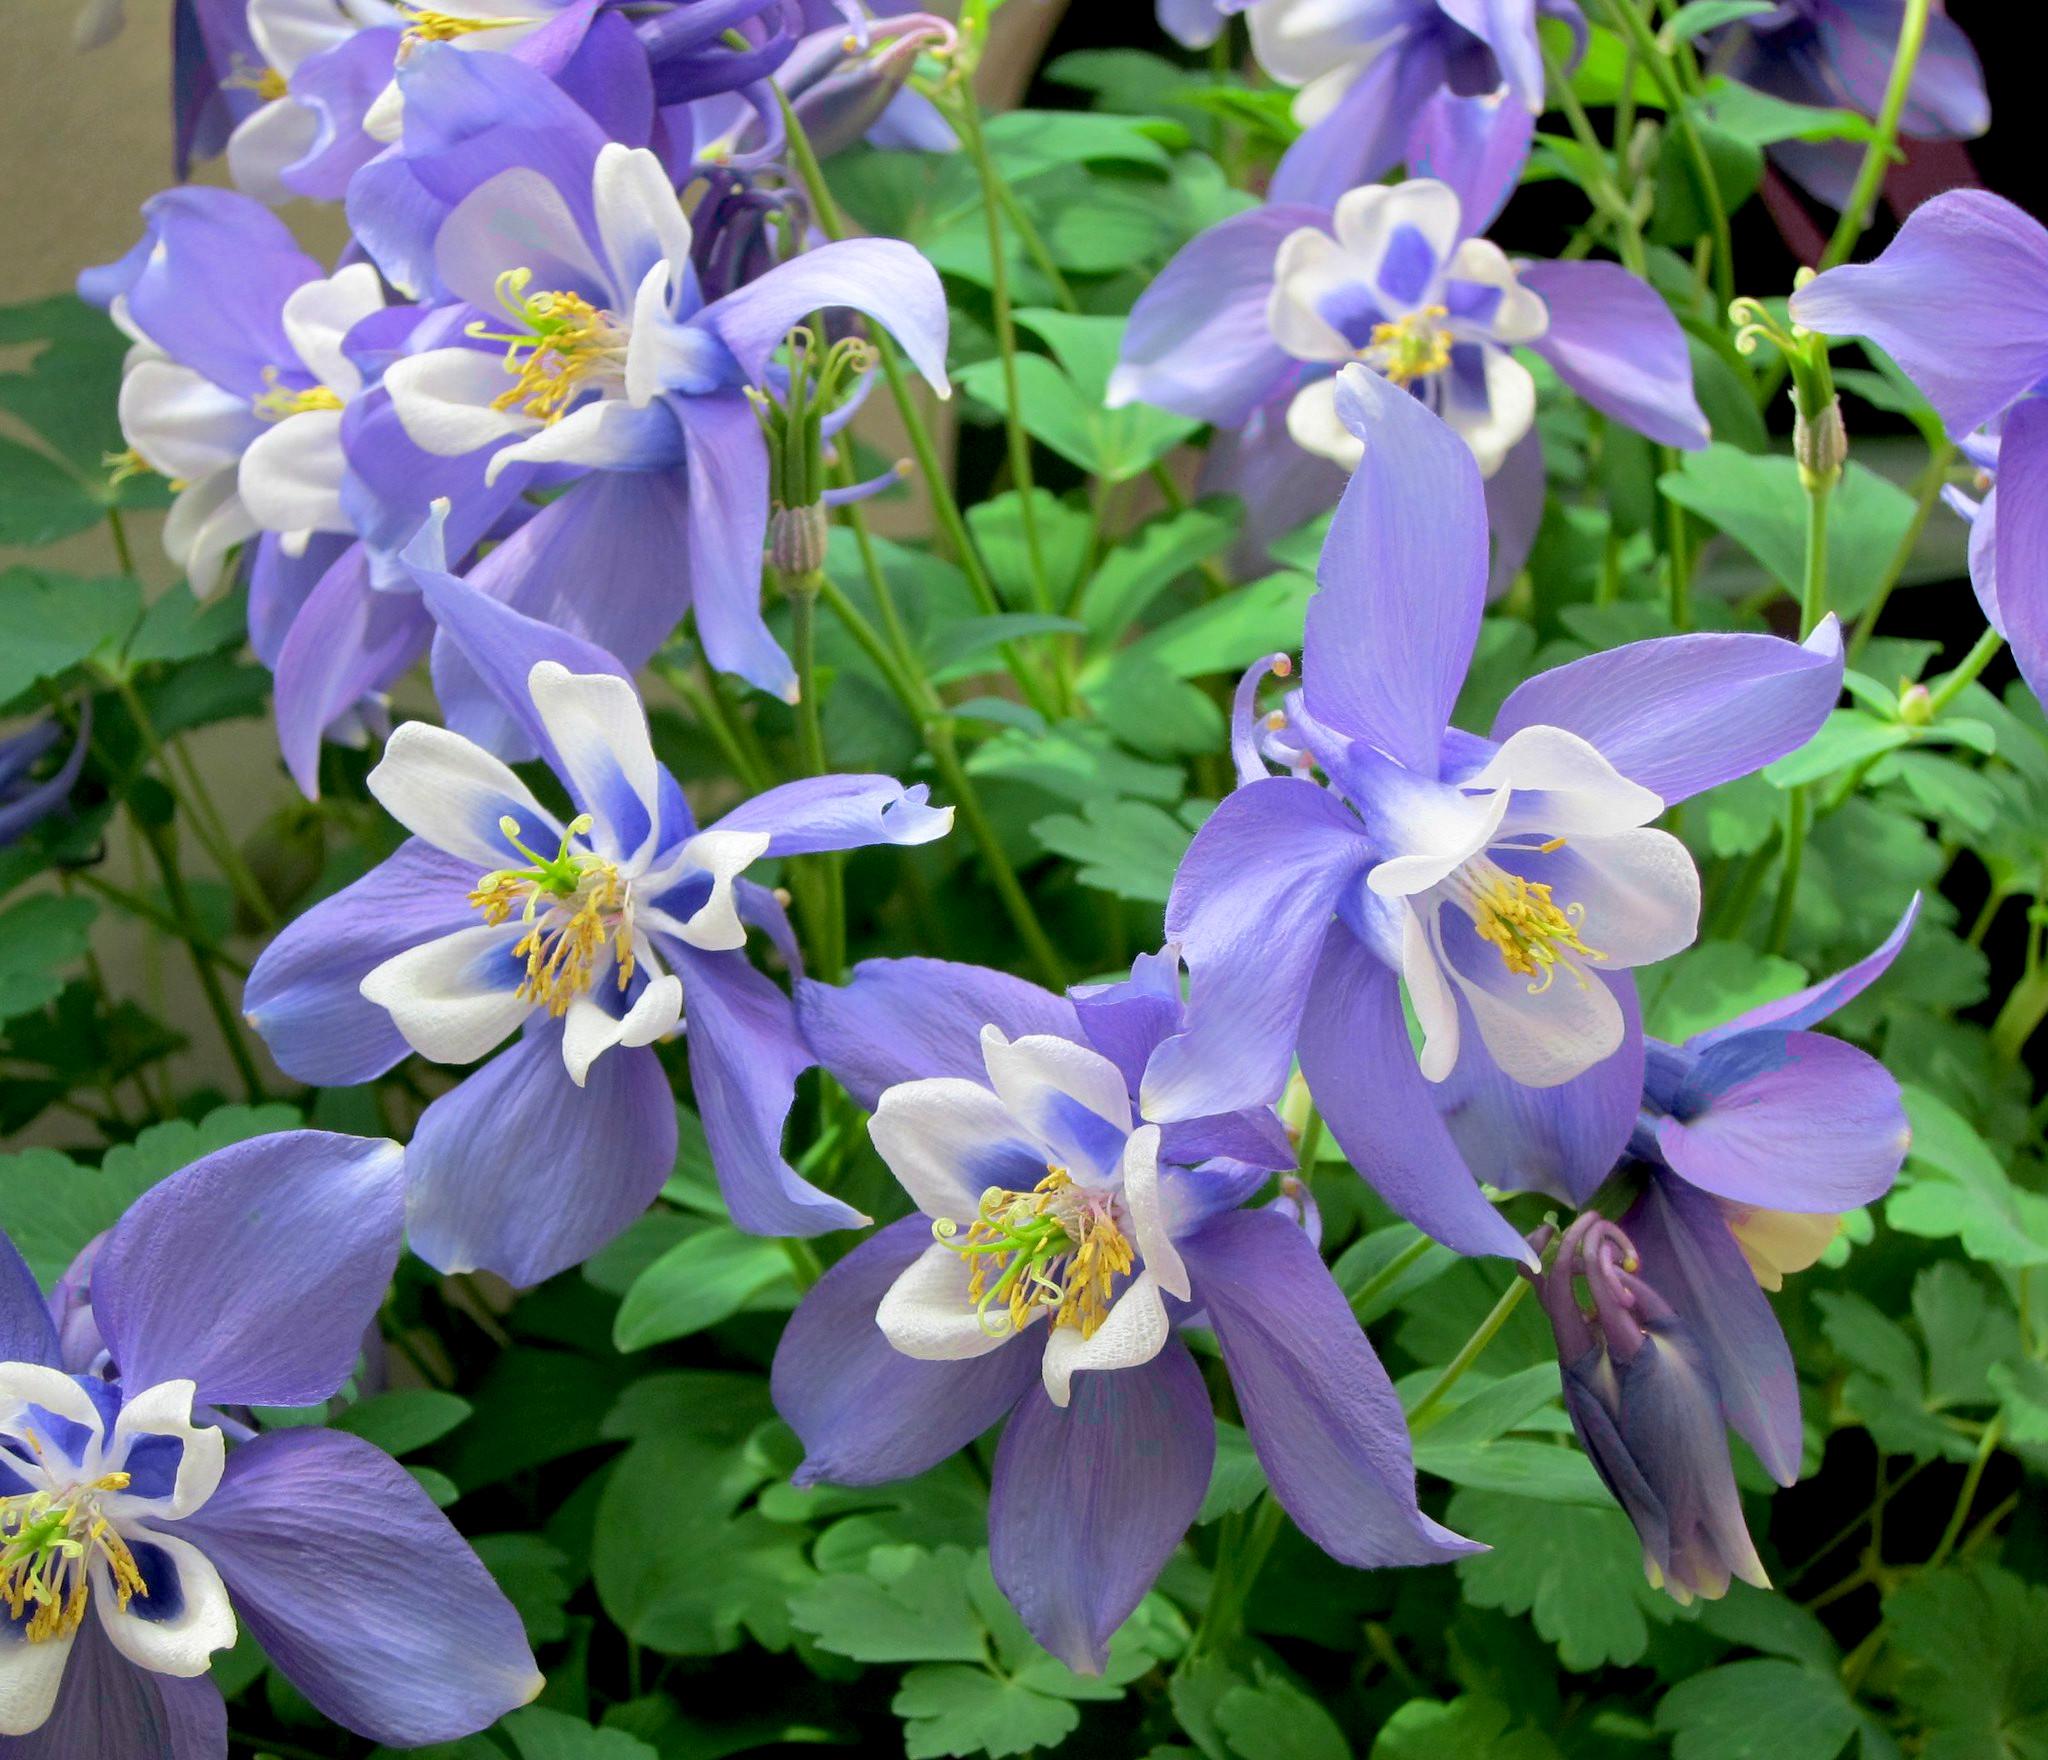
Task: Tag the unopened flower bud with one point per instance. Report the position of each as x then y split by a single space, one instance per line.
796 538
1916 705
1822 445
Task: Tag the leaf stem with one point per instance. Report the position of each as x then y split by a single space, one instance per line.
1877 156
1468 1354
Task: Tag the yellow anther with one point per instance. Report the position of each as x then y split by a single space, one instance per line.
1055 1247
425 26
48 1542
1411 348
1551 848
1528 928
277 403
120 466
560 342
250 76
574 906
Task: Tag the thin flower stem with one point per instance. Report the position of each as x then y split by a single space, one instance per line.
1240 1557
1925 494
1813 598
1981 654
1468 1354
119 530
1877 156
828 931
157 918
710 709
1388 1275
1638 34
1994 1434
195 939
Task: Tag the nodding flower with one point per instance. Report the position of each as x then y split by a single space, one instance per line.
1642 1396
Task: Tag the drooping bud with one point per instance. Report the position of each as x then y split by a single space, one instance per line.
1821 443
1642 1397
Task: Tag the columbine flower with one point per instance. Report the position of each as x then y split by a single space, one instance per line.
1512 882
317 62
588 344
1957 299
592 938
1061 1239
1837 54
132 1536
25 798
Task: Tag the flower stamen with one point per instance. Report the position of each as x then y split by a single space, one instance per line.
1528 928
561 347
574 905
1410 348
277 402
1054 1247
47 1543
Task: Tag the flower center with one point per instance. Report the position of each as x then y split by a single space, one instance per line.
1055 1247
1410 348
561 345
425 26
47 1543
277 403
1531 931
574 904
253 76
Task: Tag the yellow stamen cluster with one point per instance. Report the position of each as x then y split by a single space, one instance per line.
574 906
425 26
1411 348
560 341
1053 1247
47 1542
1528 927
277 403
251 76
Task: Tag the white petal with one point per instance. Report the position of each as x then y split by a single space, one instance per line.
1066 1096
32 1384
452 792
1145 1202
166 1410
265 141
642 224
30 1675
288 32
1314 425
947 1140
184 426
318 317
443 400
1521 315
1582 792
1641 893
385 119
290 479
927 1312
206 522
1510 411
715 925
517 220
590 1030
1134 1331
184 1644
600 730
1377 217
1542 1038
1443 830
456 998
605 433
1309 266
1429 993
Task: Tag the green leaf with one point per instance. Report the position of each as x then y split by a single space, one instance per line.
1761 1709
50 622
39 936
1577 1572
1076 761
909 1605
1759 120
1065 536
405 1419
1278 1721
540 1734
1264 617
1130 848
1757 501
178 625
51 1206
1148 561
1954 1186
1237 1481
1711 983
948 1709
1967 1333
703 1279
954 645
1973 1650
1697 17
1471 1728
1025 141
1070 417
535 1578
1150 710
41 501
1848 736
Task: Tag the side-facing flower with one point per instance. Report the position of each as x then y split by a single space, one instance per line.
132 1536
592 939
26 798
588 345
1960 300
319 63
1060 1240
1510 883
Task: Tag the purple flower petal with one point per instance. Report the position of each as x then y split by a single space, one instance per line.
1358 1063
1368 130
1321 1411
518 1170
1805 1008
745 1057
2022 540
107 1706
903 1020
27 1334
1476 145
304 997
254 1271
1615 343
1966 251
1678 714
1089 1501
1198 342
866 1413
338 86
1787 1121
728 526
1514 512
1126 1021
1402 581
361 1591
1251 907
1692 1261
817 813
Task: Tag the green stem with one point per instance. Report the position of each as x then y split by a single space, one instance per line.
141 908
1388 1275
1813 599
1638 34
938 738
122 553
1608 200
1677 551
1238 1563
1926 492
1994 1434
1981 654
1482 1336
828 930
194 936
710 709
1877 155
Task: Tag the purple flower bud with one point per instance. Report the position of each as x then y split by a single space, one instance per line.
1643 1399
